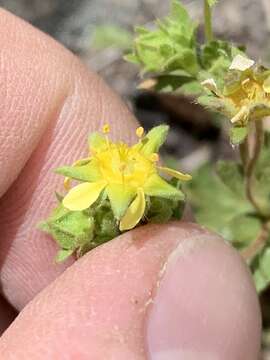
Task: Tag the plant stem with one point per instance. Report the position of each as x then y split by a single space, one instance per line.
249 160
208 22
244 154
251 165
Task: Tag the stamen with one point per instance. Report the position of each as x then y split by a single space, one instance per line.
154 157
140 132
106 129
67 182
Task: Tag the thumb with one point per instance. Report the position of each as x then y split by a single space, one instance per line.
158 292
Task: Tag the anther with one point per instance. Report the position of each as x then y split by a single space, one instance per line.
140 131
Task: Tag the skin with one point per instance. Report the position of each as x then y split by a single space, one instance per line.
100 306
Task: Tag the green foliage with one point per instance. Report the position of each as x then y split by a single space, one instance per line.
111 35
171 54
216 57
214 203
219 202
170 46
231 174
260 268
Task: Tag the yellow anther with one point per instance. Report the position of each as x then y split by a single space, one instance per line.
140 131
106 129
67 182
154 157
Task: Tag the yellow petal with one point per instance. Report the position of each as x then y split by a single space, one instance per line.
134 213
82 196
241 63
211 85
175 173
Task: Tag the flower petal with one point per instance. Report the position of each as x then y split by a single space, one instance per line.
175 173
134 213
211 85
241 63
154 139
83 196
120 197
156 186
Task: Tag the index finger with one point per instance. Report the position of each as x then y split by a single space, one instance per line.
49 104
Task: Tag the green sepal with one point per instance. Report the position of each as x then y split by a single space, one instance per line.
120 197
157 186
153 140
63 255
88 173
238 134
161 210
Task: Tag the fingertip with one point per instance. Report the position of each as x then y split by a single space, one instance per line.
206 306
156 291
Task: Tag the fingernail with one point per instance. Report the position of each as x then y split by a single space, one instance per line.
205 306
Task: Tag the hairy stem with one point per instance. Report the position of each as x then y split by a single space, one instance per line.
249 160
244 154
251 166
208 22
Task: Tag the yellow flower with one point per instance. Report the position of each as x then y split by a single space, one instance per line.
125 174
246 94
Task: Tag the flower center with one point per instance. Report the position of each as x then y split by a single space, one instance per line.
124 165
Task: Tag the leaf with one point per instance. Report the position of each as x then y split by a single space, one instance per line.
242 230
261 270
231 175
238 134
63 254
214 204
170 46
170 83
216 57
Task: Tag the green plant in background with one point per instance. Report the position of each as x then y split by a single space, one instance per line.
233 198
111 36
171 55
